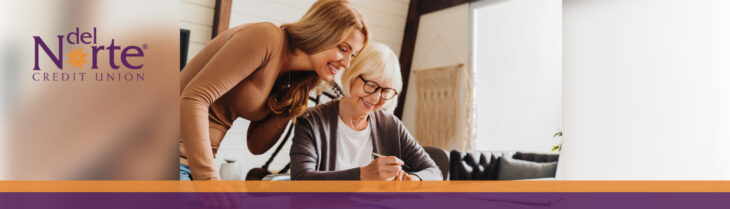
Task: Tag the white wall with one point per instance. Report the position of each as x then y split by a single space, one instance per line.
5 13
442 40
385 18
517 59
646 90
197 16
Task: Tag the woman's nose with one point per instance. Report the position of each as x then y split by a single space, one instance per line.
376 96
346 62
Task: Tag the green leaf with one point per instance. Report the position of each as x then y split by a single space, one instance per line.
560 133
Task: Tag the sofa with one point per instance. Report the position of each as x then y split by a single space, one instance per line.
493 165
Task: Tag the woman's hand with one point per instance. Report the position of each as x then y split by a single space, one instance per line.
382 168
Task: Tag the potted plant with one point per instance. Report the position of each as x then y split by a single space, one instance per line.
558 146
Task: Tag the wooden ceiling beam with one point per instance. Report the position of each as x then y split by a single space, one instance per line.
408 45
427 6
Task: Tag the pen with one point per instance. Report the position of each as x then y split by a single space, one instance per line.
376 155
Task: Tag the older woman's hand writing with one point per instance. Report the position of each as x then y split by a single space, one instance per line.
382 168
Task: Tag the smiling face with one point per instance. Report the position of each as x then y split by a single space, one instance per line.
329 62
360 101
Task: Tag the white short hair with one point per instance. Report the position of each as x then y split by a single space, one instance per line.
375 61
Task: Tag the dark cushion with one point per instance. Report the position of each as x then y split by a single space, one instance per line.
441 158
472 159
514 169
536 157
485 165
475 165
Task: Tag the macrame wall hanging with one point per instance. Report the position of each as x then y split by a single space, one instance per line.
443 115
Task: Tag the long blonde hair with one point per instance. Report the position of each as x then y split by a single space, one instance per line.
324 25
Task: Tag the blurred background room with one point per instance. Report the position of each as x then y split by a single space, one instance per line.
513 102
506 89
493 89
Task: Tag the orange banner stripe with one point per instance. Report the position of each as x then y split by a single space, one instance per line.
364 186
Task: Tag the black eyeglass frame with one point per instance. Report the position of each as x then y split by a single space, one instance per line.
382 95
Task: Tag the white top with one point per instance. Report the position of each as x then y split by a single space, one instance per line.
354 148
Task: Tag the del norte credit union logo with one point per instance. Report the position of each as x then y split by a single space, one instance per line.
84 49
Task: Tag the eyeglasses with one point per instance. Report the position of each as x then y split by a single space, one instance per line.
372 87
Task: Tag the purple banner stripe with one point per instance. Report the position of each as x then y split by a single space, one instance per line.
362 200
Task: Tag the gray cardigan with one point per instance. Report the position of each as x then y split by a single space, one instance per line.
314 147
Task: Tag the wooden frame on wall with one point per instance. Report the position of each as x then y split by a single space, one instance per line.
221 17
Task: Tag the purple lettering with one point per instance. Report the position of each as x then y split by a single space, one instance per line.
75 34
56 59
84 36
111 49
94 53
125 54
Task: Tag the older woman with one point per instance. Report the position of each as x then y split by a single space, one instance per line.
337 140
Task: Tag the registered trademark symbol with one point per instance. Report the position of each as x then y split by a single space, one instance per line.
144 46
